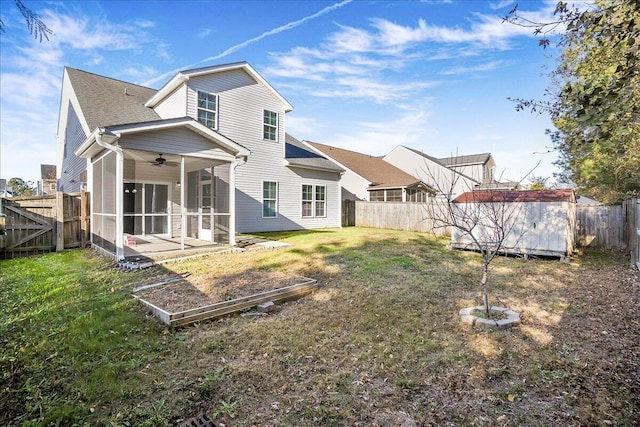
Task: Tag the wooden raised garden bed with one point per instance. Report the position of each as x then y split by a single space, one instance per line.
218 309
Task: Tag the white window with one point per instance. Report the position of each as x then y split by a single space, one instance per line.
208 109
270 126
320 200
314 202
269 199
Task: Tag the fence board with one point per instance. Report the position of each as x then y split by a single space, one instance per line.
39 224
398 216
600 226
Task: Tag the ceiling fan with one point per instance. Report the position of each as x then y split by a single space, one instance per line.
159 161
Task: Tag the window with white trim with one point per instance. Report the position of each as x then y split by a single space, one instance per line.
314 199
321 196
270 125
208 109
269 199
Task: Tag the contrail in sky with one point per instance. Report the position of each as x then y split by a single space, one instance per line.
246 43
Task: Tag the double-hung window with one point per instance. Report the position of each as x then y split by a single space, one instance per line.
208 109
314 201
270 126
269 199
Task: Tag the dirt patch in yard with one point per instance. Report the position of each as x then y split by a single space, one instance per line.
194 291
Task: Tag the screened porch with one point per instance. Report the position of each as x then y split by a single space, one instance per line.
142 201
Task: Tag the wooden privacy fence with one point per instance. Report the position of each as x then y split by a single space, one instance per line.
606 227
38 224
599 226
406 216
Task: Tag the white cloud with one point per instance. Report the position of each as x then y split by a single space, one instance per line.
204 33
487 66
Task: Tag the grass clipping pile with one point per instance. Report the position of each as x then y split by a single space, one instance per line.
185 292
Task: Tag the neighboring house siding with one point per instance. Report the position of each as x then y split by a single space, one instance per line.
472 171
175 105
72 165
174 141
434 174
354 187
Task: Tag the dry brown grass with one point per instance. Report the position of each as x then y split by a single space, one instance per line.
380 343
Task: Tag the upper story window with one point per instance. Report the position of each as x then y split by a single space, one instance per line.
270 126
208 109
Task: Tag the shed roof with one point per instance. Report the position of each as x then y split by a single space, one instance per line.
483 196
378 172
108 102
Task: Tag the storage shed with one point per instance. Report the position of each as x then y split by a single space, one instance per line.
540 222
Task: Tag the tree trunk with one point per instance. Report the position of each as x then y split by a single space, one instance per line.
483 286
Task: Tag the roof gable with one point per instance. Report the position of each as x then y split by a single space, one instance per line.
378 172
182 76
109 102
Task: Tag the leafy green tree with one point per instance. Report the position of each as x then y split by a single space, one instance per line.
21 187
595 96
36 26
538 182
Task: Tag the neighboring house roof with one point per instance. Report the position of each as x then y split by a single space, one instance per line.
297 154
108 102
47 172
378 172
185 75
471 159
565 195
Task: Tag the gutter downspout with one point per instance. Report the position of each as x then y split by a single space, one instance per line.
119 237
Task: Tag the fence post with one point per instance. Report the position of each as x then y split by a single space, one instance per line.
59 221
84 219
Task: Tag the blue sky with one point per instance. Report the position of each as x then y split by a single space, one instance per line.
361 75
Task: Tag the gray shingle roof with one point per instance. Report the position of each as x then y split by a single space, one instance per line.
108 102
297 154
481 159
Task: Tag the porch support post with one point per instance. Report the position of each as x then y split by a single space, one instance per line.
232 202
183 218
119 203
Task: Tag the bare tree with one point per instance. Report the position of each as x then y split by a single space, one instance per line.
480 219
36 26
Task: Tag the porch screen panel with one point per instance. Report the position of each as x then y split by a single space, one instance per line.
221 189
155 208
109 184
97 187
192 204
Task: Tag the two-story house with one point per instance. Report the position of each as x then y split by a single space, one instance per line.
204 156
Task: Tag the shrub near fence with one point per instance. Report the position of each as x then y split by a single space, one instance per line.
39 224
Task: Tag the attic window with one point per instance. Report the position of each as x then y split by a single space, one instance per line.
270 126
208 109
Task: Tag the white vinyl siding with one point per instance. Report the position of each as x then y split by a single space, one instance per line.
242 102
175 141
